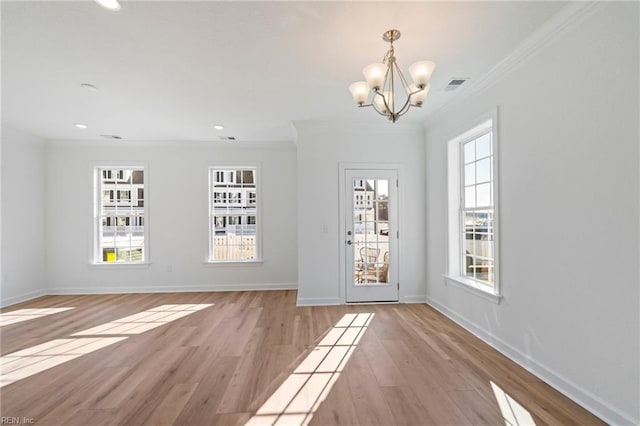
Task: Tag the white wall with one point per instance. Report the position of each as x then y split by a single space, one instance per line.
23 212
568 135
322 146
176 189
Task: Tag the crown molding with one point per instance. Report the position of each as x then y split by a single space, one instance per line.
140 143
568 17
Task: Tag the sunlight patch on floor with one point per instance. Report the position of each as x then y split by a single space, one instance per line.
513 413
143 321
27 362
295 401
20 315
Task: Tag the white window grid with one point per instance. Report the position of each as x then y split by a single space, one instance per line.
476 215
233 211
120 225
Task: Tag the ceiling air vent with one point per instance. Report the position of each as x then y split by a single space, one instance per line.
228 138
111 136
454 83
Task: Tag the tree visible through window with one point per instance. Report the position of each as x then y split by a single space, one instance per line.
120 229
233 209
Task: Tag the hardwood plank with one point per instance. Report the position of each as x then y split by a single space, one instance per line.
368 399
172 404
406 406
475 408
384 369
339 407
91 417
220 364
202 407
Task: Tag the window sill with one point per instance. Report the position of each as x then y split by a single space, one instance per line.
473 287
121 265
256 262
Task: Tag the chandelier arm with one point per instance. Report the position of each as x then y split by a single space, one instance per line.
380 92
410 93
386 57
374 108
407 86
413 93
392 91
373 104
405 107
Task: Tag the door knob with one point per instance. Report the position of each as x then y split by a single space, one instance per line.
349 242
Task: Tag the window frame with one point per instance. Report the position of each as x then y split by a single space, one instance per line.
212 173
455 227
98 199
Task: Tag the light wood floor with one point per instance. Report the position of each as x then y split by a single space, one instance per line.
218 365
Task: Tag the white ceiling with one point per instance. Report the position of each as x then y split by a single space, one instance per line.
171 70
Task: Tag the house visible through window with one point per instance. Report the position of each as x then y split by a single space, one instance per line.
476 210
120 229
472 209
233 209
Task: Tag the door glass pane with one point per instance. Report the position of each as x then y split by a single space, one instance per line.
383 229
371 231
382 189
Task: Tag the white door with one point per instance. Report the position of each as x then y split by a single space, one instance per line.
371 240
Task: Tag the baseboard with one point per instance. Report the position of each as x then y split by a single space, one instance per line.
582 397
319 301
172 289
421 298
324 301
22 298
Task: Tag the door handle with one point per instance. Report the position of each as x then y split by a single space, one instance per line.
349 242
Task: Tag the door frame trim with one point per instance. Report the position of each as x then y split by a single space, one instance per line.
342 230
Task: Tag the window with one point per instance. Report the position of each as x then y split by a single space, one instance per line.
473 227
124 196
233 212
120 230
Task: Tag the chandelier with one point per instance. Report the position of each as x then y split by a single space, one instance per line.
385 79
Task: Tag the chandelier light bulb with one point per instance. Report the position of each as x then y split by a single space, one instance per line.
419 97
375 74
421 72
380 105
359 91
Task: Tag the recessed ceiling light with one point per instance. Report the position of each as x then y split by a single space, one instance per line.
218 127
109 4
81 126
89 87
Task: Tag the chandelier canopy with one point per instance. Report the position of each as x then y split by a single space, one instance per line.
385 84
